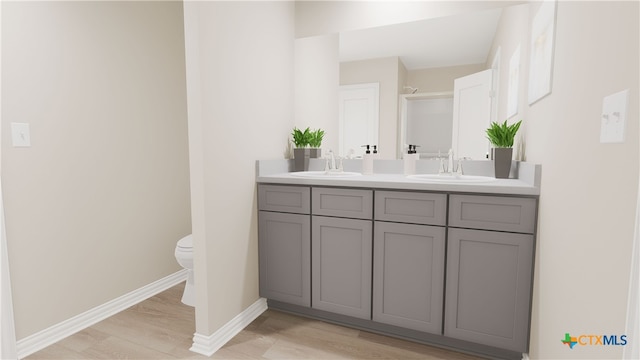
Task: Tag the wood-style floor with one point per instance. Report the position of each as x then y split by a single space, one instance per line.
162 328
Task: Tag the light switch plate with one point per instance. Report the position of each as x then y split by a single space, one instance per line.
20 135
613 119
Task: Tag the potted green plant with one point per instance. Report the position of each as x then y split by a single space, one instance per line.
307 145
315 138
301 138
315 141
501 137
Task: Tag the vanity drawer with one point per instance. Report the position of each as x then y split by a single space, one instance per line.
290 199
411 207
493 213
348 203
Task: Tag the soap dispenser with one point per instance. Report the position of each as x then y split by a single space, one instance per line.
367 161
375 152
410 160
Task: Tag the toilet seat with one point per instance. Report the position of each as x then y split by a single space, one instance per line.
184 256
186 243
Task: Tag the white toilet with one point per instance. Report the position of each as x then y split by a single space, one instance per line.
184 255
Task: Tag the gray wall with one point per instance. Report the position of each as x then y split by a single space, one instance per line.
95 206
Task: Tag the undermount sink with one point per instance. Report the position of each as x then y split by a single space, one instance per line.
325 174
452 178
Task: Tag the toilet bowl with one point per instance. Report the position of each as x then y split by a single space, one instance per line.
184 256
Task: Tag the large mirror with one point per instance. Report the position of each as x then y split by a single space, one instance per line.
414 66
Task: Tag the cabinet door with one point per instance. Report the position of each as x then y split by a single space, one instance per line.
285 257
341 266
347 203
408 276
411 207
502 213
282 198
489 287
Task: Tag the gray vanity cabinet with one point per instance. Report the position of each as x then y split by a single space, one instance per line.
449 268
411 207
489 273
408 263
344 203
282 198
500 213
408 275
341 251
341 266
284 243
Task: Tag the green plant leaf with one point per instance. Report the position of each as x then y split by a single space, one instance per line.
502 135
301 138
316 138
307 137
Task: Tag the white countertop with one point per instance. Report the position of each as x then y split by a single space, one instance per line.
526 184
402 182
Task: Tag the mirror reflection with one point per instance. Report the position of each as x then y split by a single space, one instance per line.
415 66
427 120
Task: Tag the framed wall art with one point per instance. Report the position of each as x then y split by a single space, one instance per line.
541 52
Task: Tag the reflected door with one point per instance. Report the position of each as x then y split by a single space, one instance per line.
358 120
472 115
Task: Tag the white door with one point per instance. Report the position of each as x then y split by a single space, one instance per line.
358 121
472 115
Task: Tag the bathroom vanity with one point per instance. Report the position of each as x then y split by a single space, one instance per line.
439 263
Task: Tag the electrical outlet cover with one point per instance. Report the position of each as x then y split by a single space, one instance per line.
20 135
613 119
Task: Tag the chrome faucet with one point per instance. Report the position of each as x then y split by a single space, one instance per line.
450 169
330 164
333 160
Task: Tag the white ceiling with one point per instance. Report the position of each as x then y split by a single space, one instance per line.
448 41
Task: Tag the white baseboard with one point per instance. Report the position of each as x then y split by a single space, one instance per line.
525 356
208 345
55 333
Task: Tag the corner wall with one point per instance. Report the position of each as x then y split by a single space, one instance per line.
589 189
240 104
316 83
95 206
